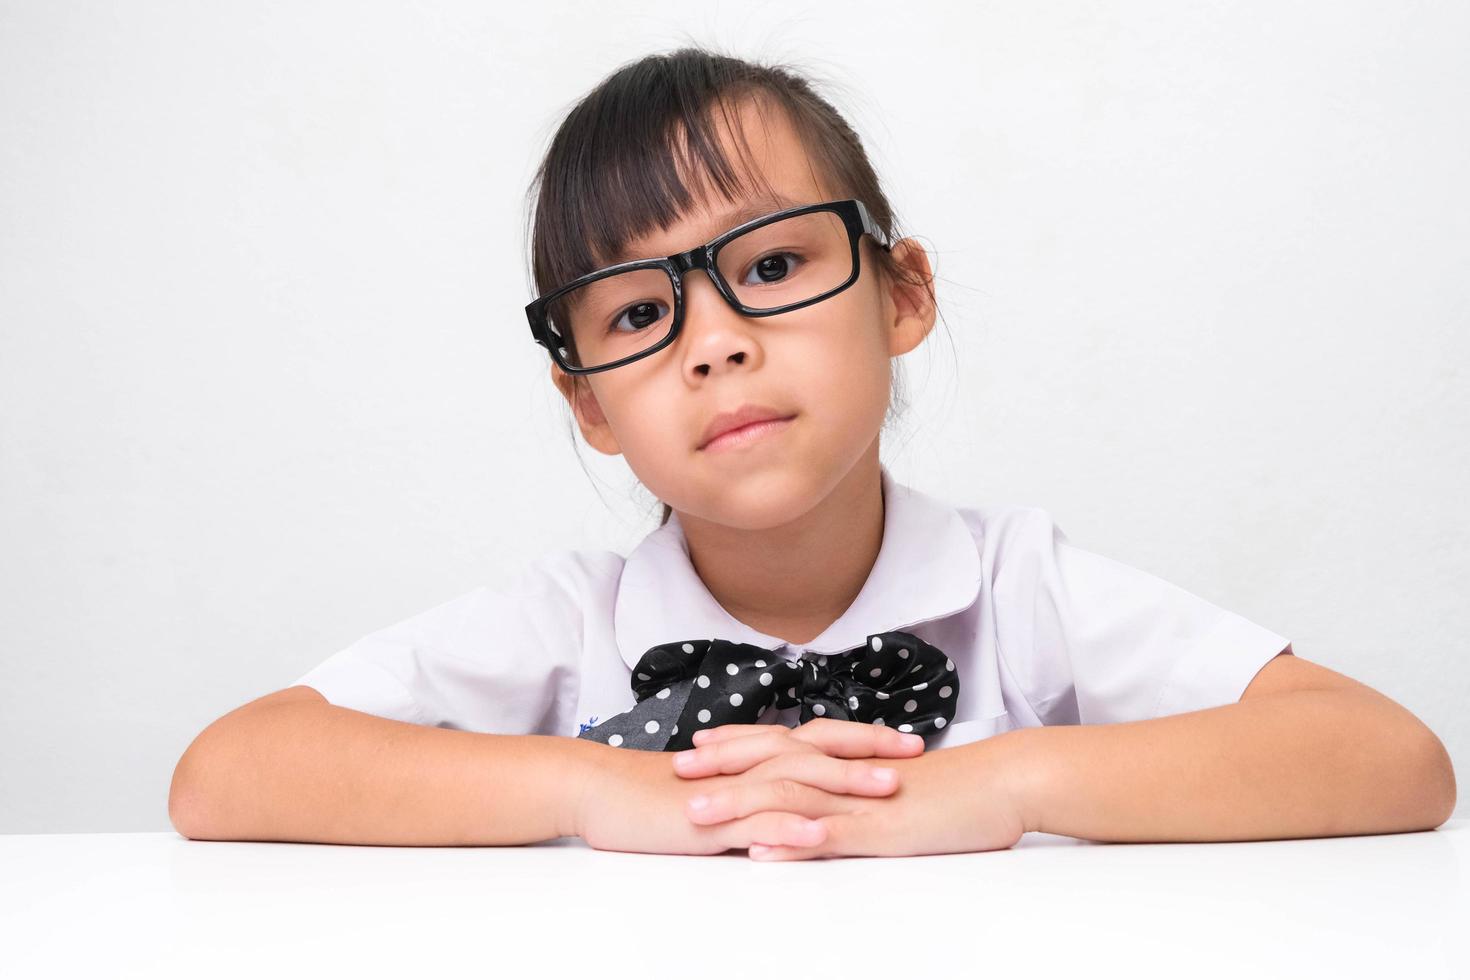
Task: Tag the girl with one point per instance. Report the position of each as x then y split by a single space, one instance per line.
864 669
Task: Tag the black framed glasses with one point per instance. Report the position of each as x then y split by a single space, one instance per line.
773 264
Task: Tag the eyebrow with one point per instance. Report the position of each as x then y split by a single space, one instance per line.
753 208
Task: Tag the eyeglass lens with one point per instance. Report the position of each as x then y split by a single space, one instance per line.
784 262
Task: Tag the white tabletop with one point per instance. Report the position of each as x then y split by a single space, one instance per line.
156 905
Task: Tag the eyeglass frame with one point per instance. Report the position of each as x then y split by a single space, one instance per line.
855 218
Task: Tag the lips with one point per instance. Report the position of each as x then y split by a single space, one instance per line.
742 416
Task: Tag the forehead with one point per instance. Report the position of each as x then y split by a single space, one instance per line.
774 171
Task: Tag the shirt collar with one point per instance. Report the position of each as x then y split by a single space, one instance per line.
927 567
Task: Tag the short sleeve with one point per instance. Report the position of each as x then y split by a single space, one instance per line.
503 661
1094 640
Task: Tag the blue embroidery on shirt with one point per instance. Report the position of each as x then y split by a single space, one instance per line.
590 723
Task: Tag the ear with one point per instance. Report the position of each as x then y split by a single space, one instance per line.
910 298
586 410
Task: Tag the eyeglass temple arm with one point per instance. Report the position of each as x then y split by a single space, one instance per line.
871 228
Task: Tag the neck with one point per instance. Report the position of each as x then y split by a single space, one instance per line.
795 580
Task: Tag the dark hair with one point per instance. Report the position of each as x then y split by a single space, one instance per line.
612 171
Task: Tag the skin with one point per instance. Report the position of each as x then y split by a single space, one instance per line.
1305 752
784 533
633 801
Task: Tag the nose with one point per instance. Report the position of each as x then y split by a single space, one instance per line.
715 334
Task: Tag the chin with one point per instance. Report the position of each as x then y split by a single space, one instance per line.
757 500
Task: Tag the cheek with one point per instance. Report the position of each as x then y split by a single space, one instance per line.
847 366
642 421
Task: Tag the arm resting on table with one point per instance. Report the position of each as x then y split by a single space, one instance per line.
292 767
1306 752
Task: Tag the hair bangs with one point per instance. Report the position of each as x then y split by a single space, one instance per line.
632 159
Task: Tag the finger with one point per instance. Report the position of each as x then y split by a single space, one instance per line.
840 840
782 852
772 827
811 786
858 739
720 733
747 745
848 739
735 755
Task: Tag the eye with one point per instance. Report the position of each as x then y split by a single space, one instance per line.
773 268
640 315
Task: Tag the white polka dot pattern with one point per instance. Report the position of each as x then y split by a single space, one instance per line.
894 679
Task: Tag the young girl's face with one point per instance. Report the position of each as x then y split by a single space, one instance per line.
827 365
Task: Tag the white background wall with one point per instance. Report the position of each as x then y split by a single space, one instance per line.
266 384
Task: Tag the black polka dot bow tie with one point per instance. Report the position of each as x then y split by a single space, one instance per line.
895 679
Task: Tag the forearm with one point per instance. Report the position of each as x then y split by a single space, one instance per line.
1317 763
312 771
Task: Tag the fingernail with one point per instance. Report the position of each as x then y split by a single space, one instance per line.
683 759
698 802
883 775
759 850
913 741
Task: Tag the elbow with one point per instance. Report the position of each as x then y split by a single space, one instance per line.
188 797
185 805
1437 780
201 776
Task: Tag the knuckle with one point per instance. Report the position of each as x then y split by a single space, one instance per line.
788 793
836 839
721 838
785 766
777 736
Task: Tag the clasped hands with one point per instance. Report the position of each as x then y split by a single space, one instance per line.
840 788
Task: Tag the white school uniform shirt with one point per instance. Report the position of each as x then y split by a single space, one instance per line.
1041 632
